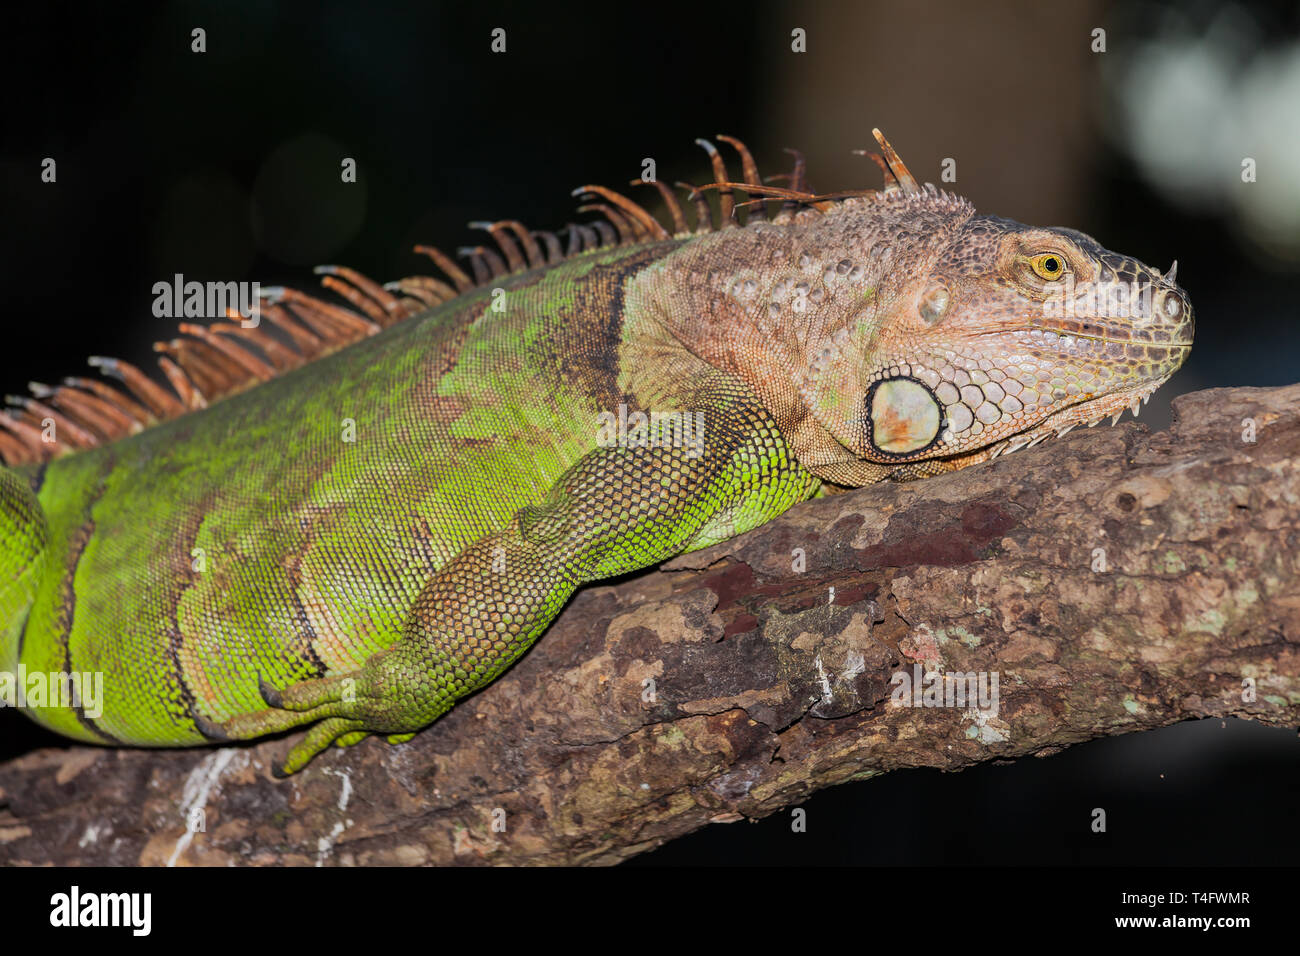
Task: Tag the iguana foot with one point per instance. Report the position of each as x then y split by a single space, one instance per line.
343 710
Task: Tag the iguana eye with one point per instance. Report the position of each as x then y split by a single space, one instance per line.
1047 265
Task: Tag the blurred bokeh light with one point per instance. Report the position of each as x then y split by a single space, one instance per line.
1206 92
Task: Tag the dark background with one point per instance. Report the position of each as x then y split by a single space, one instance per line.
225 165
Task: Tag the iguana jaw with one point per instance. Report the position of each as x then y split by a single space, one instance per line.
1088 413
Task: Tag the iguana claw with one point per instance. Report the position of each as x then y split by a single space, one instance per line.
214 732
269 693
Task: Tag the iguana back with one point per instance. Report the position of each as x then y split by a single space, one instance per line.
285 549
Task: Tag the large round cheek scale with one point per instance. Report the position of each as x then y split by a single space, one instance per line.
905 417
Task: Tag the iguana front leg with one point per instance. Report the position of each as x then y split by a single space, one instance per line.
616 510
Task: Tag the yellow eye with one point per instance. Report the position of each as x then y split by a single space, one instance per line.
1048 265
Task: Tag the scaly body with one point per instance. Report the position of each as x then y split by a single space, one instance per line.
359 541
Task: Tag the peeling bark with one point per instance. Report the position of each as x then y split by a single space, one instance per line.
1114 580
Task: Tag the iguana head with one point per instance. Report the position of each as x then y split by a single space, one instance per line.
1007 335
898 334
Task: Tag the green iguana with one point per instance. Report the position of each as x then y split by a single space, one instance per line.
389 503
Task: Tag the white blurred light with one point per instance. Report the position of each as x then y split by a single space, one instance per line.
1190 105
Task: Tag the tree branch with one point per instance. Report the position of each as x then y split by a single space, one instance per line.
1113 580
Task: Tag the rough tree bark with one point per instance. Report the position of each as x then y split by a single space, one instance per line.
1114 580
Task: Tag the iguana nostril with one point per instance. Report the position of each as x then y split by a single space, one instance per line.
1173 305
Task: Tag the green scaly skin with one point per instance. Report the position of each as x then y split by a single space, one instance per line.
247 569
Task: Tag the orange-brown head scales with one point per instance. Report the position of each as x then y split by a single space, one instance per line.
898 334
1017 333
